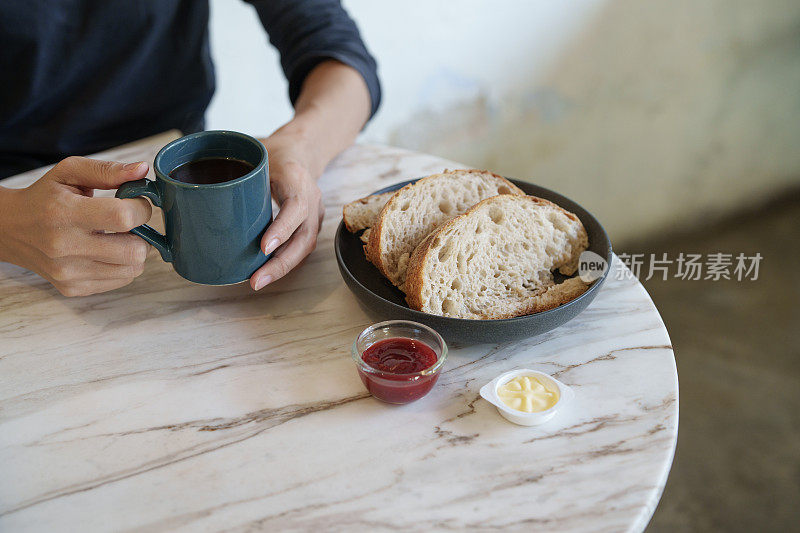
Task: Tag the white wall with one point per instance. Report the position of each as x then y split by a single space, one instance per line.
251 91
654 114
431 54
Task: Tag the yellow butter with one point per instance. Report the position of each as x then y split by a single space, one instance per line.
529 394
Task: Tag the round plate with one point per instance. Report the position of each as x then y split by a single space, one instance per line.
384 301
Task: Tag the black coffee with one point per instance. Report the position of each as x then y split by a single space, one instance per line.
211 170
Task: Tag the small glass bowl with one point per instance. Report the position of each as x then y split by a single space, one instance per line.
399 388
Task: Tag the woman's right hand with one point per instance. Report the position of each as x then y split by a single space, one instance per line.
79 243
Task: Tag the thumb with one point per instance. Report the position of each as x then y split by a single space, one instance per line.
95 174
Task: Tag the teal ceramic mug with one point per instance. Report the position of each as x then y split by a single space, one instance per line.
213 231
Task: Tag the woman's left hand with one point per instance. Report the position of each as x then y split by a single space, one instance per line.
293 233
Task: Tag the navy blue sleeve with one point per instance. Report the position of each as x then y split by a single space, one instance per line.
307 32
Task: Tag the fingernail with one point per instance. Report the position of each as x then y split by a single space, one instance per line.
133 166
271 245
264 280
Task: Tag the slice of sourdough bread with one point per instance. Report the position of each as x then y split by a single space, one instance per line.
495 261
419 208
362 213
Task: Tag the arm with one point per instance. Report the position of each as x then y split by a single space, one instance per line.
334 87
333 106
330 111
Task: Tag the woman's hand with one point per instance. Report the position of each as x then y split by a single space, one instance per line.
78 243
333 105
293 177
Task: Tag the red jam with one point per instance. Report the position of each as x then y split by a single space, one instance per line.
397 363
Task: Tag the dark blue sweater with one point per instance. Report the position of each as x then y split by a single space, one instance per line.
80 76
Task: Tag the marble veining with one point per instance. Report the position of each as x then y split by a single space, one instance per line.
171 406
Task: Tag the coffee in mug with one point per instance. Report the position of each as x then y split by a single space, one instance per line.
211 170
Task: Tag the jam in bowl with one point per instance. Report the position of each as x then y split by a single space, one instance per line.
399 361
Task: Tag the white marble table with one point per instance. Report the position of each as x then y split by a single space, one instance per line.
171 406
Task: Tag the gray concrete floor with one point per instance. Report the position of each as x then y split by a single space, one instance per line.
737 345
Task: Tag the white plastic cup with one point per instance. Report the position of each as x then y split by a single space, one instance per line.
489 393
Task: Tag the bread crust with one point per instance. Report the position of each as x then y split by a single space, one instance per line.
416 266
558 295
415 279
374 244
375 236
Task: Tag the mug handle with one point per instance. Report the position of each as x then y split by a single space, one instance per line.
148 189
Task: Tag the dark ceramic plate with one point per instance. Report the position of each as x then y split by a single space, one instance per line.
383 301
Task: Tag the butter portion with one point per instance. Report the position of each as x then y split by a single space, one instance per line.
529 394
